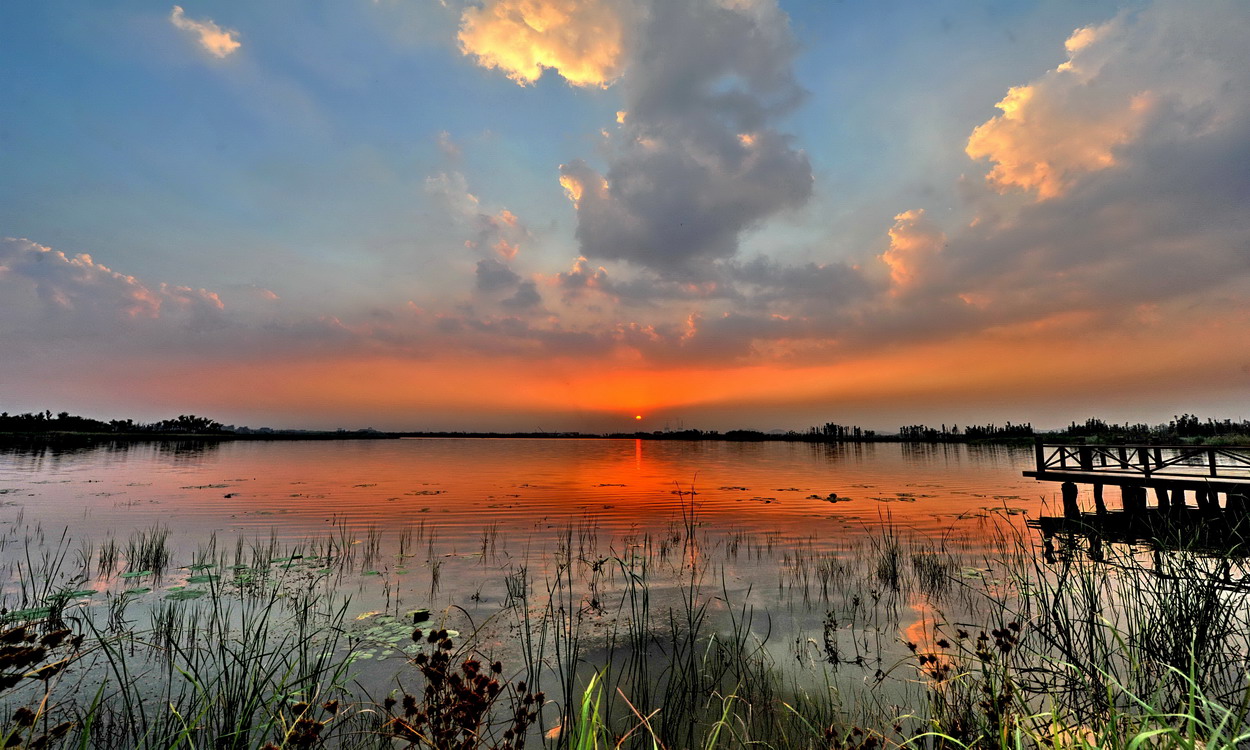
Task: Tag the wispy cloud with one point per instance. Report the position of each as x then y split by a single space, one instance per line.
219 42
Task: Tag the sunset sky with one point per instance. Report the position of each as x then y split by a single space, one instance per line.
562 214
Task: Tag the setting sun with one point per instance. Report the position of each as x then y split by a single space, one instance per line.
637 416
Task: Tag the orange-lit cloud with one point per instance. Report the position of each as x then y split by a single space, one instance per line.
1064 125
914 243
1037 148
576 179
219 42
582 40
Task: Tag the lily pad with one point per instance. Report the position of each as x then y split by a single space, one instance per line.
137 574
30 613
203 579
76 594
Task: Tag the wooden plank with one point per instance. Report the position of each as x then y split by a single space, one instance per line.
1240 485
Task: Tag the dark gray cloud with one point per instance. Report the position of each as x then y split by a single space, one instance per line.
525 298
493 275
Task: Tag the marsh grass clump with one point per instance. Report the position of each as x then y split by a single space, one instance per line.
147 551
934 572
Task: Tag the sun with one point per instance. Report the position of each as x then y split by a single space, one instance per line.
637 416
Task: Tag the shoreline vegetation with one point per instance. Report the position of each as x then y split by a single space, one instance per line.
45 427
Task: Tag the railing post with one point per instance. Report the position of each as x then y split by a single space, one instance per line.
1211 460
1039 454
1144 453
1123 452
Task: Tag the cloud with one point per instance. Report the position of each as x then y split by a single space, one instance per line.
581 278
697 160
581 40
500 232
1159 221
525 298
914 244
1121 78
493 275
219 42
448 145
48 294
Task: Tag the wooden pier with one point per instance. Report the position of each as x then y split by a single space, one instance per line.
1156 484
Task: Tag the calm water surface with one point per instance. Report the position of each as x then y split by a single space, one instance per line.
520 488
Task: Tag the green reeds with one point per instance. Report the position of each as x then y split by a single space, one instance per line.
147 551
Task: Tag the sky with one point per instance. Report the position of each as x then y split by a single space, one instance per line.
565 214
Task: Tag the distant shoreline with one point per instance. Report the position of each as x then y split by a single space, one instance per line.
738 436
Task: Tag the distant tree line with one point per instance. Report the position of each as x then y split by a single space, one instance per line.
46 421
1183 427
924 433
838 432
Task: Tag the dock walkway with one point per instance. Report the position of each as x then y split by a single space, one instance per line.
1207 472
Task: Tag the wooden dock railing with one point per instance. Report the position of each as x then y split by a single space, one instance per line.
1118 464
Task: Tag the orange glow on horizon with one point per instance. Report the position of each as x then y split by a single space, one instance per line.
1030 362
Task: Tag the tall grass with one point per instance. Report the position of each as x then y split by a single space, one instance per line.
651 642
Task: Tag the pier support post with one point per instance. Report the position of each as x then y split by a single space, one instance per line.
1099 505
1208 500
1133 498
1161 495
1070 508
1178 501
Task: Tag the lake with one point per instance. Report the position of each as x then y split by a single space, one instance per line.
545 554
520 487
